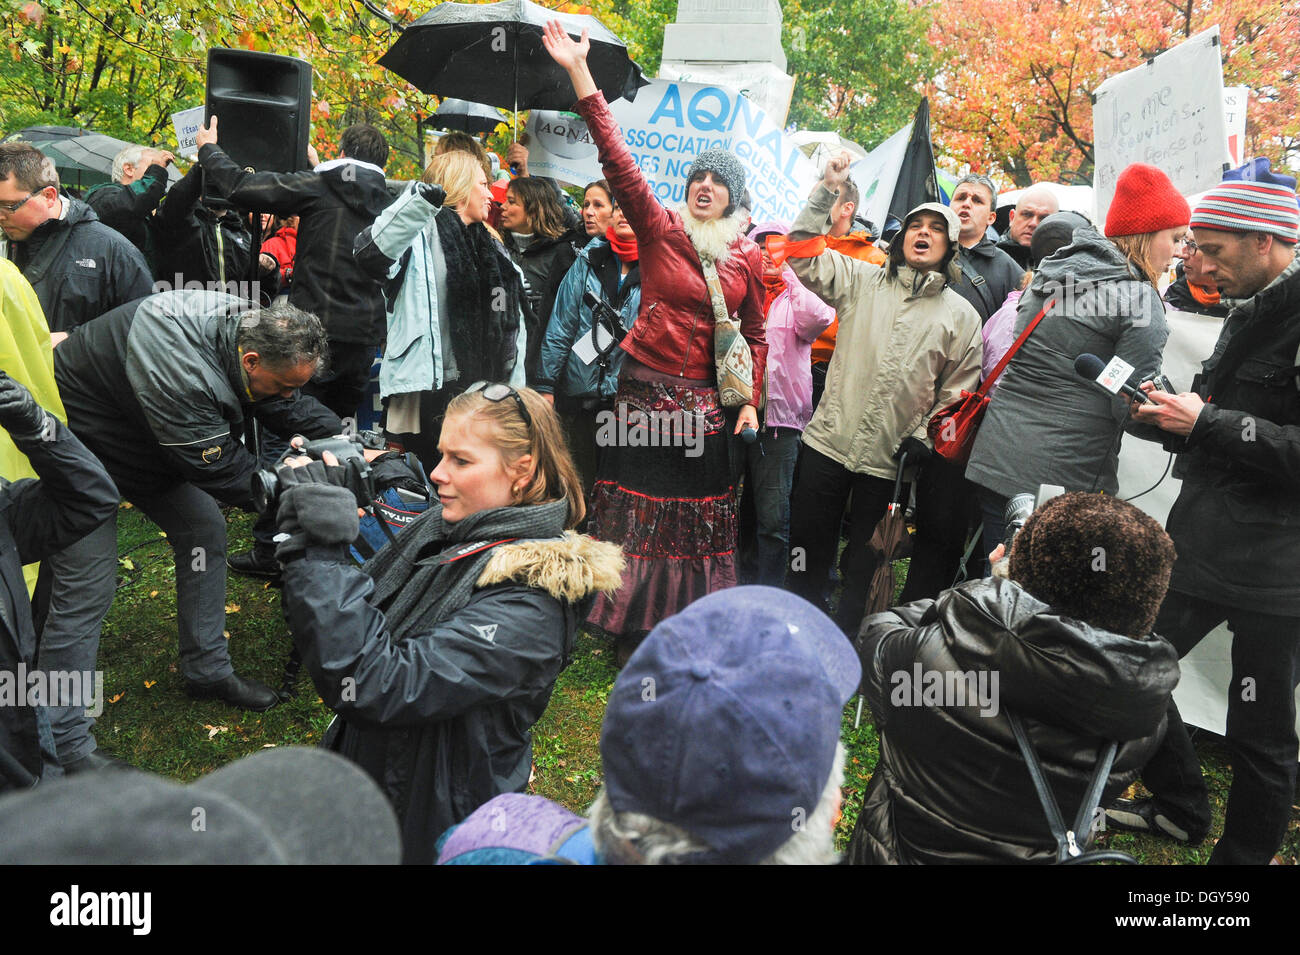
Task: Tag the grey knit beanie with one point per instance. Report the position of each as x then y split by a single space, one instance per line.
725 167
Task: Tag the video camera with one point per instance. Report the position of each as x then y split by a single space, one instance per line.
1021 506
349 449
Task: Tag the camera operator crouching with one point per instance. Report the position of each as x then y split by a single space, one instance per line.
160 390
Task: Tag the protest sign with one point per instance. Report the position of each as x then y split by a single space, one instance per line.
666 127
1235 99
187 123
1167 113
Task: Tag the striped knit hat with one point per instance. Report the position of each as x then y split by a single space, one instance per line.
1251 199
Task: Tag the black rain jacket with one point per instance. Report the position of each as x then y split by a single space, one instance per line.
951 785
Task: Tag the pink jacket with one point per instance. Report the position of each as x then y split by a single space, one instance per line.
794 321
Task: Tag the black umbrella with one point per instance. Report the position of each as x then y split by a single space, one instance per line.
466 117
889 543
492 53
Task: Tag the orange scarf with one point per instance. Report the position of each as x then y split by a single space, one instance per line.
1205 294
856 245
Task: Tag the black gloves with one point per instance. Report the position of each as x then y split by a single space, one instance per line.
20 415
432 193
315 514
316 508
313 472
917 451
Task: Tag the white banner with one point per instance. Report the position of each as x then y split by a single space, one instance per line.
667 126
876 175
187 123
1167 113
1235 100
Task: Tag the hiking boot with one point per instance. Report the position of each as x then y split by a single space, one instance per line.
1144 815
255 563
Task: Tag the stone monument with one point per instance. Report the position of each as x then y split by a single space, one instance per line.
735 43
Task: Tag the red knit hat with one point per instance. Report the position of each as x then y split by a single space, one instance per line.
1145 201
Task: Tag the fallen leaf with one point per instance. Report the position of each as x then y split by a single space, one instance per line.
149 683
153 593
127 563
126 505
268 746
226 634
118 697
214 730
232 608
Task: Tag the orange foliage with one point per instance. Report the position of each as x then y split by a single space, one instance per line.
1015 91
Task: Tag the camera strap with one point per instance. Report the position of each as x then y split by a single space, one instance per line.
472 548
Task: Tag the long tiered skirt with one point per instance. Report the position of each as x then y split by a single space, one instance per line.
671 508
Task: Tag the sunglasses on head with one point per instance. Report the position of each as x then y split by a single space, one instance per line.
496 391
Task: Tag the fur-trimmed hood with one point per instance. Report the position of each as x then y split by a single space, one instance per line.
713 239
569 568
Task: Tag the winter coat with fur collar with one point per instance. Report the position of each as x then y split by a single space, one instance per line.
442 719
674 331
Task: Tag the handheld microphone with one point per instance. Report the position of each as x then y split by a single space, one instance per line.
1091 367
748 435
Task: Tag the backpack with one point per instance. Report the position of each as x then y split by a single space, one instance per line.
402 494
518 829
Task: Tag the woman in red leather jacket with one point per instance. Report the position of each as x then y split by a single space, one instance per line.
664 490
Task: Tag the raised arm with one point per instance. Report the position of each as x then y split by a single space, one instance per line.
644 212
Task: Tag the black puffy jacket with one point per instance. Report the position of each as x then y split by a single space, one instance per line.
951 785
442 720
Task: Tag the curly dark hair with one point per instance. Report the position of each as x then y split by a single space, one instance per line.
1097 559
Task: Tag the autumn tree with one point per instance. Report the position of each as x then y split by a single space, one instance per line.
123 69
1015 93
858 65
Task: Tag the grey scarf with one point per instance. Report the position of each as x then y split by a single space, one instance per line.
429 572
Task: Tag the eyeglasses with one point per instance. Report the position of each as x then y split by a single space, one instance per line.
495 391
9 208
1189 246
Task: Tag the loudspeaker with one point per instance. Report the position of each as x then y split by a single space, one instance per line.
262 102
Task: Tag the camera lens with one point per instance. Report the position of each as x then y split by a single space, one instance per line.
266 489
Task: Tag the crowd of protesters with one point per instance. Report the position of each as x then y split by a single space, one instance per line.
557 399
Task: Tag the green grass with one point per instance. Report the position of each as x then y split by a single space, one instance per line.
149 722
